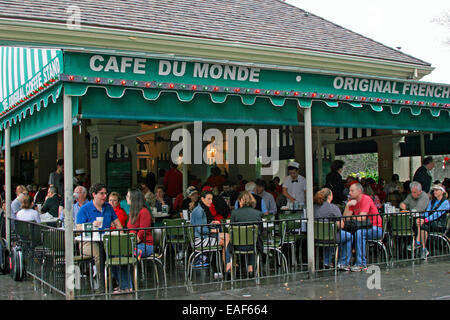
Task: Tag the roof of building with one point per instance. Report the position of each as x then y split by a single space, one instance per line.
260 22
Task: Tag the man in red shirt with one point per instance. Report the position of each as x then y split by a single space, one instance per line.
362 205
173 181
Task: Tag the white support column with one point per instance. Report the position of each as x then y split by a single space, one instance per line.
309 190
8 192
185 166
68 198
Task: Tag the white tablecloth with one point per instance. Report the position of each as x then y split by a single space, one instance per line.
96 237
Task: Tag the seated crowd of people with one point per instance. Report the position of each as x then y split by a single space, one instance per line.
365 198
210 203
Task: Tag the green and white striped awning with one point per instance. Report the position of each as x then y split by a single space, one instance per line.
25 74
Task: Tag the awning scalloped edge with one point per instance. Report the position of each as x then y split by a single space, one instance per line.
30 107
153 94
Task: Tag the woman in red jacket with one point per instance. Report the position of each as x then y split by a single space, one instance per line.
113 200
139 218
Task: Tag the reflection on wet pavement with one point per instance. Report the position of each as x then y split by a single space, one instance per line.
420 280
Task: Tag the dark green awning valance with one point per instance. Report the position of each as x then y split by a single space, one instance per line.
168 107
392 118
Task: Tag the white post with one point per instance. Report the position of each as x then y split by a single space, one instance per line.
309 189
8 184
68 198
185 166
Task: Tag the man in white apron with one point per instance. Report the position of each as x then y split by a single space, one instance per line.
294 185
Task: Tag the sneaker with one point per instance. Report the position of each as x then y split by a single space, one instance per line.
180 255
329 266
416 246
425 253
200 262
343 267
356 268
218 275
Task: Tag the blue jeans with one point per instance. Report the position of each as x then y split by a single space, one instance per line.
123 276
345 248
251 257
144 250
361 236
121 273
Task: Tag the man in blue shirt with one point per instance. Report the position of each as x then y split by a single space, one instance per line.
267 197
97 207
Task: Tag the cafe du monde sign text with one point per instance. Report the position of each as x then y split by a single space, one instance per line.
209 73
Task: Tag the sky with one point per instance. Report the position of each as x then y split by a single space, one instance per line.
396 23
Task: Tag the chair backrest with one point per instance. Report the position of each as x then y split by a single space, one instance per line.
119 245
292 221
36 235
175 227
191 234
325 231
401 224
23 230
244 235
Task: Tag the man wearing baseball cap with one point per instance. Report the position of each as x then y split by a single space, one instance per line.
294 185
191 200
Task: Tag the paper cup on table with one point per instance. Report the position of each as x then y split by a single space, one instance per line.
99 219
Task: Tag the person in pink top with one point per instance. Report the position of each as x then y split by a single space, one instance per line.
362 205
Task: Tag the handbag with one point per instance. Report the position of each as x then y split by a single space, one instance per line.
353 225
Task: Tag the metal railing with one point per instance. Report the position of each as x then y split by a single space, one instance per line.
184 254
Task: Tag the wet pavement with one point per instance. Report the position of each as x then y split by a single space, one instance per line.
428 280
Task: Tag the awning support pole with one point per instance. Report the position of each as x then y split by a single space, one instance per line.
8 185
68 199
185 167
309 190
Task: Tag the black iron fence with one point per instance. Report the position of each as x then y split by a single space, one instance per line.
179 254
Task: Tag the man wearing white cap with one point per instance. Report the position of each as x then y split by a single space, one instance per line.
294 185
